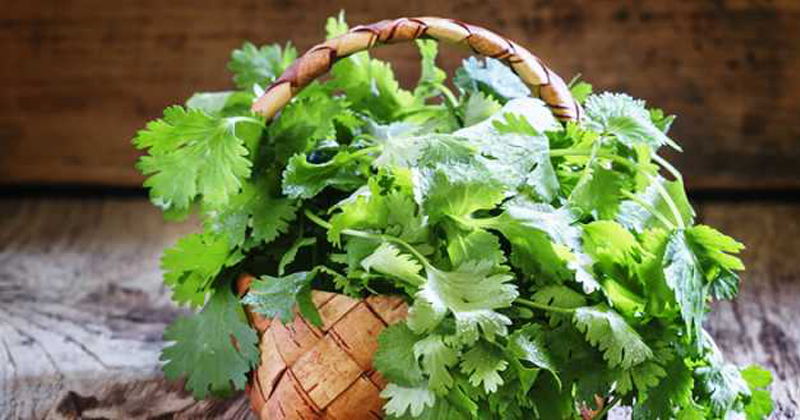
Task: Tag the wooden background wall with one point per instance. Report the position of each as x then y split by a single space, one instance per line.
78 78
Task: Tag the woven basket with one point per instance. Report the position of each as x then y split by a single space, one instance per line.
309 373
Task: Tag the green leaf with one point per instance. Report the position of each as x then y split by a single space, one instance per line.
610 245
203 348
607 330
558 296
515 149
691 412
478 107
252 65
598 193
290 254
412 399
276 297
458 192
527 116
490 76
436 358
715 246
388 260
760 405
724 385
660 297
532 250
303 179
685 278
368 208
643 376
209 102
552 402
192 153
580 91
558 223
370 86
560 227
661 120
310 118
474 245
529 345
442 409
674 390
472 294
483 363
636 217
401 149
192 264
267 217
625 118
395 358
336 25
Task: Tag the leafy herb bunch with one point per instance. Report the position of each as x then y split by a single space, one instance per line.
551 270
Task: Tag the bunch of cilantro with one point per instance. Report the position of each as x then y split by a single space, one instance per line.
551 270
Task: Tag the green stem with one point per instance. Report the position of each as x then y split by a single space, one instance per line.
572 152
668 166
619 159
660 216
536 305
670 203
449 97
235 120
470 222
365 151
374 236
614 401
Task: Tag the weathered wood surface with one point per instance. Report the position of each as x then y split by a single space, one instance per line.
81 77
82 312
82 308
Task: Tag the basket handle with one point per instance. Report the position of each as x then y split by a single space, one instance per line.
542 81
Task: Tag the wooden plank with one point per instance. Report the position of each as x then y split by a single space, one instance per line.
82 77
82 312
82 308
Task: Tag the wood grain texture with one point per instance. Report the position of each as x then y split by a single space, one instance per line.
81 77
82 313
761 325
82 308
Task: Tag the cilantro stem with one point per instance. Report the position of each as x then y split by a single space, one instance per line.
365 151
316 219
668 166
670 202
449 97
536 305
660 216
619 159
572 152
375 236
607 408
235 120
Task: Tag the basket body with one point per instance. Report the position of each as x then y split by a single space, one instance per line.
313 373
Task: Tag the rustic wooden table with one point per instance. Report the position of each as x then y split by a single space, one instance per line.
82 308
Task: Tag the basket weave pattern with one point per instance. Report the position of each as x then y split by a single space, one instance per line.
309 373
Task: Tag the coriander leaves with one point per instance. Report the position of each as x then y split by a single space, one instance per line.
545 265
